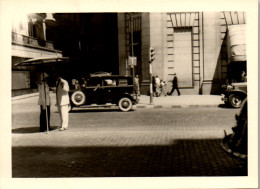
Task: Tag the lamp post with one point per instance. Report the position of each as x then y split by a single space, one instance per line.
132 41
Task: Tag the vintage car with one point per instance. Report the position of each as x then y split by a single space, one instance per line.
102 90
234 94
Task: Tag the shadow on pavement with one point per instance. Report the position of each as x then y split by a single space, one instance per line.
181 158
95 110
223 106
26 130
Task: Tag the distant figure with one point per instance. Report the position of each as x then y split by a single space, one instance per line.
109 82
153 85
84 82
163 87
157 86
175 85
75 84
243 76
136 86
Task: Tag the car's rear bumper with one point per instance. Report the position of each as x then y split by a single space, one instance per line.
224 98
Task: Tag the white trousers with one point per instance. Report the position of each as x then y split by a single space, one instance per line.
64 115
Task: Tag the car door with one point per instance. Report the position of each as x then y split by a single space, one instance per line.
94 91
109 89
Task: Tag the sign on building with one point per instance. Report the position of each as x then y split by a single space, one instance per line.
132 61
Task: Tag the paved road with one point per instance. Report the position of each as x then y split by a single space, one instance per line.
110 143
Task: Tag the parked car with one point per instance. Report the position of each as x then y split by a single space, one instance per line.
104 90
234 94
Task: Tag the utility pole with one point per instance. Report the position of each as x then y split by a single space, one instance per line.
132 42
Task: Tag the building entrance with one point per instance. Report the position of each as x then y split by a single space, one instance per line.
183 56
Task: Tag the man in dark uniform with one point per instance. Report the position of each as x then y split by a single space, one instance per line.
175 85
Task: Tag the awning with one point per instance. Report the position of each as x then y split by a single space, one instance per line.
42 64
237 43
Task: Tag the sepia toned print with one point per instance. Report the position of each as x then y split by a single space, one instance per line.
123 117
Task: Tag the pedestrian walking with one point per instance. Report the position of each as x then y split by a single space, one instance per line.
175 85
163 88
45 102
63 102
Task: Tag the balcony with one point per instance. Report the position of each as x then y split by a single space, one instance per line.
31 42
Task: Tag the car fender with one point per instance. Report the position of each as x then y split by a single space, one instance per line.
237 92
126 95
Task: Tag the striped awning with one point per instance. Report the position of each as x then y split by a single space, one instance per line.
235 17
237 42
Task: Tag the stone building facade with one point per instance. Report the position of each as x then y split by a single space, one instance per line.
191 44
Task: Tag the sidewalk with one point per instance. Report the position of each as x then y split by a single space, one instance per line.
182 101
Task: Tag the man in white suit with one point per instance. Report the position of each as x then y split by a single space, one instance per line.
63 102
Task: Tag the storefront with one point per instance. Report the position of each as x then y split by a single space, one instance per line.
237 59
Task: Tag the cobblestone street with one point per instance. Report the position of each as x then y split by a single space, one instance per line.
110 143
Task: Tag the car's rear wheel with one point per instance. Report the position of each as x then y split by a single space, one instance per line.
125 104
235 100
78 98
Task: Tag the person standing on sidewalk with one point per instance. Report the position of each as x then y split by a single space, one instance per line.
163 86
45 102
157 85
136 86
175 85
63 102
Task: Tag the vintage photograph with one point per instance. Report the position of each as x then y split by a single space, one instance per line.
136 94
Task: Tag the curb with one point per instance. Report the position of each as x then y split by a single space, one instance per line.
138 106
24 96
176 106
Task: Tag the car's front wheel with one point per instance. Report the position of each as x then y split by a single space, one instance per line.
78 98
235 100
125 104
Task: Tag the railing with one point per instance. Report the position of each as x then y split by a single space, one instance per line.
27 40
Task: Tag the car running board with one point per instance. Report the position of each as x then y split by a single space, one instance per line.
95 105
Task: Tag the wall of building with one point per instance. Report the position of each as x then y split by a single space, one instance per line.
211 53
123 68
202 35
207 69
146 38
185 25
